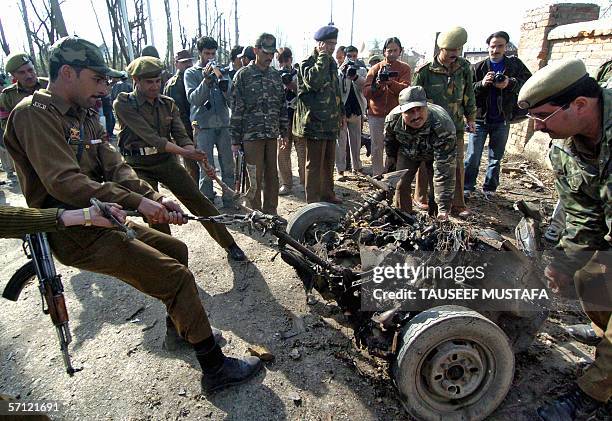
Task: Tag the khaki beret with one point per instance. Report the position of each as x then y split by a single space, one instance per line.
550 81
145 67
453 38
15 61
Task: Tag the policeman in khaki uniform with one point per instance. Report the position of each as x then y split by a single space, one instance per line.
259 118
20 66
576 112
417 132
152 134
63 159
448 83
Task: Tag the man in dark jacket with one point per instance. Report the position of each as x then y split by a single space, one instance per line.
318 116
497 82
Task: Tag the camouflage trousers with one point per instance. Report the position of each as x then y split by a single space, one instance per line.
153 263
594 288
421 188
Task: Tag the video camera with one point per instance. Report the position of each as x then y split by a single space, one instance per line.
385 74
350 69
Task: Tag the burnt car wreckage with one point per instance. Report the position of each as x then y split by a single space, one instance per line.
447 361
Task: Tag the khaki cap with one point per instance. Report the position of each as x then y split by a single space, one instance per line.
452 39
15 61
410 97
145 67
550 81
266 42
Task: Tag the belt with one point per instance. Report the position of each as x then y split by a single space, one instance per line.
139 151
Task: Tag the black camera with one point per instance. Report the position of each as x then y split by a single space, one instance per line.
499 77
287 76
350 69
385 74
223 85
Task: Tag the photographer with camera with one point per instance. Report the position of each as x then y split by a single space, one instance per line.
208 91
383 84
289 78
497 82
352 76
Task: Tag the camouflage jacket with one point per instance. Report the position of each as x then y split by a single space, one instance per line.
604 75
12 95
584 185
258 105
435 141
451 89
175 89
319 108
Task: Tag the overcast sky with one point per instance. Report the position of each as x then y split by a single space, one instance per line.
294 22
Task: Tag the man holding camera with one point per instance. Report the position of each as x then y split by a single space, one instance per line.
289 78
208 91
448 83
352 79
497 81
383 84
318 116
420 133
259 118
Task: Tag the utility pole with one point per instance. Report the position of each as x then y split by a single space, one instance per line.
126 29
352 21
331 12
236 20
150 22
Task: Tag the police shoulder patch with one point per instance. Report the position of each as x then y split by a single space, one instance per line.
40 100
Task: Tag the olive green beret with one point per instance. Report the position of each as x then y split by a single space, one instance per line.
453 38
15 61
550 81
145 67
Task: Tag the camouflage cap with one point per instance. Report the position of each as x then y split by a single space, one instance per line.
551 81
266 42
453 39
77 52
15 61
145 67
149 51
410 97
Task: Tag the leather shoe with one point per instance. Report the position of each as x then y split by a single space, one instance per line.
284 190
235 253
573 405
233 371
174 341
584 334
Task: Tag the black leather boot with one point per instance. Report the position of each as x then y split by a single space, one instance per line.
174 341
235 253
219 371
573 405
584 334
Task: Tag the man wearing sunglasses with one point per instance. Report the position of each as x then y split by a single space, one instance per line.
576 112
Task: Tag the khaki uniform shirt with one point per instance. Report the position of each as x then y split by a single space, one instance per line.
62 155
12 95
149 124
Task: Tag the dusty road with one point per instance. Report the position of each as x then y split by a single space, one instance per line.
128 376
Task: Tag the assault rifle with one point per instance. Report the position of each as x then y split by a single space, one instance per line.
36 247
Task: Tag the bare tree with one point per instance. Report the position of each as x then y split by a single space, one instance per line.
106 46
199 19
120 51
5 46
58 19
169 36
182 33
26 23
236 20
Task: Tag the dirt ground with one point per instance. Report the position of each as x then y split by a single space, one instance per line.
118 332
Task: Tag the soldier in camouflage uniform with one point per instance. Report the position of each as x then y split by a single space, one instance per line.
417 132
175 89
318 116
259 119
448 83
151 134
21 68
576 112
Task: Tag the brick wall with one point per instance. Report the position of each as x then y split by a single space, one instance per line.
550 33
